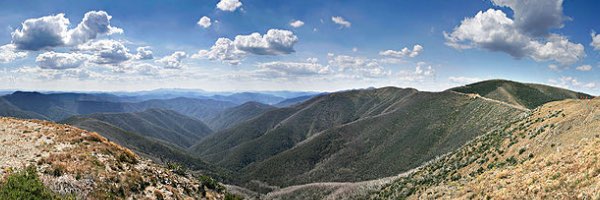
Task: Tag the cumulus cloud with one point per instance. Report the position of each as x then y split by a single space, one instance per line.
494 31
417 49
297 23
144 53
463 79
584 68
274 42
173 61
283 69
40 33
106 51
535 17
341 21
53 60
223 50
9 52
359 66
595 41
204 22
52 31
229 5
93 24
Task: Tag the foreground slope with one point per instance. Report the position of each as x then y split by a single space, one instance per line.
353 135
552 153
164 125
73 162
521 94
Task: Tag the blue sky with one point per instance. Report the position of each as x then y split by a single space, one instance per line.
448 43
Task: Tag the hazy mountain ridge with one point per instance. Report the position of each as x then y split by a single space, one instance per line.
165 125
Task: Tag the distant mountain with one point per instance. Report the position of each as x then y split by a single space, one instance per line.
198 108
235 115
9 110
521 94
244 97
294 101
552 153
59 106
352 135
165 125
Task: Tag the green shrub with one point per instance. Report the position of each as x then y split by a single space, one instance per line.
177 168
25 185
210 183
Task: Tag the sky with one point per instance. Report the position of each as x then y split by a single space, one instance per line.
309 45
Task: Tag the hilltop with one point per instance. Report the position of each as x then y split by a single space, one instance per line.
52 160
522 94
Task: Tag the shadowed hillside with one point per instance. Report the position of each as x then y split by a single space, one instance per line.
233 116
522 94
164 125
352 136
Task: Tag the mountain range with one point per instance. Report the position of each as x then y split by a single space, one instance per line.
316 146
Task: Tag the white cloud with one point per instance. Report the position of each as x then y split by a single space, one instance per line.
357 66
535 17
571 83
144 69
53 60
106 51
223 50
341 21
144 53
494 31
292 69
354 49
464 80
41 33
584 68
229 5
173 61
9 52
417 49
275 42
52 31
204 22
297 23
595 41
93 24
422 71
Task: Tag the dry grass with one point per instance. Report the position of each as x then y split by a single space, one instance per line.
87 165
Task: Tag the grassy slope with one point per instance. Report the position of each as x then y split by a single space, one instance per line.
164 125
522 94
235 115
551 153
